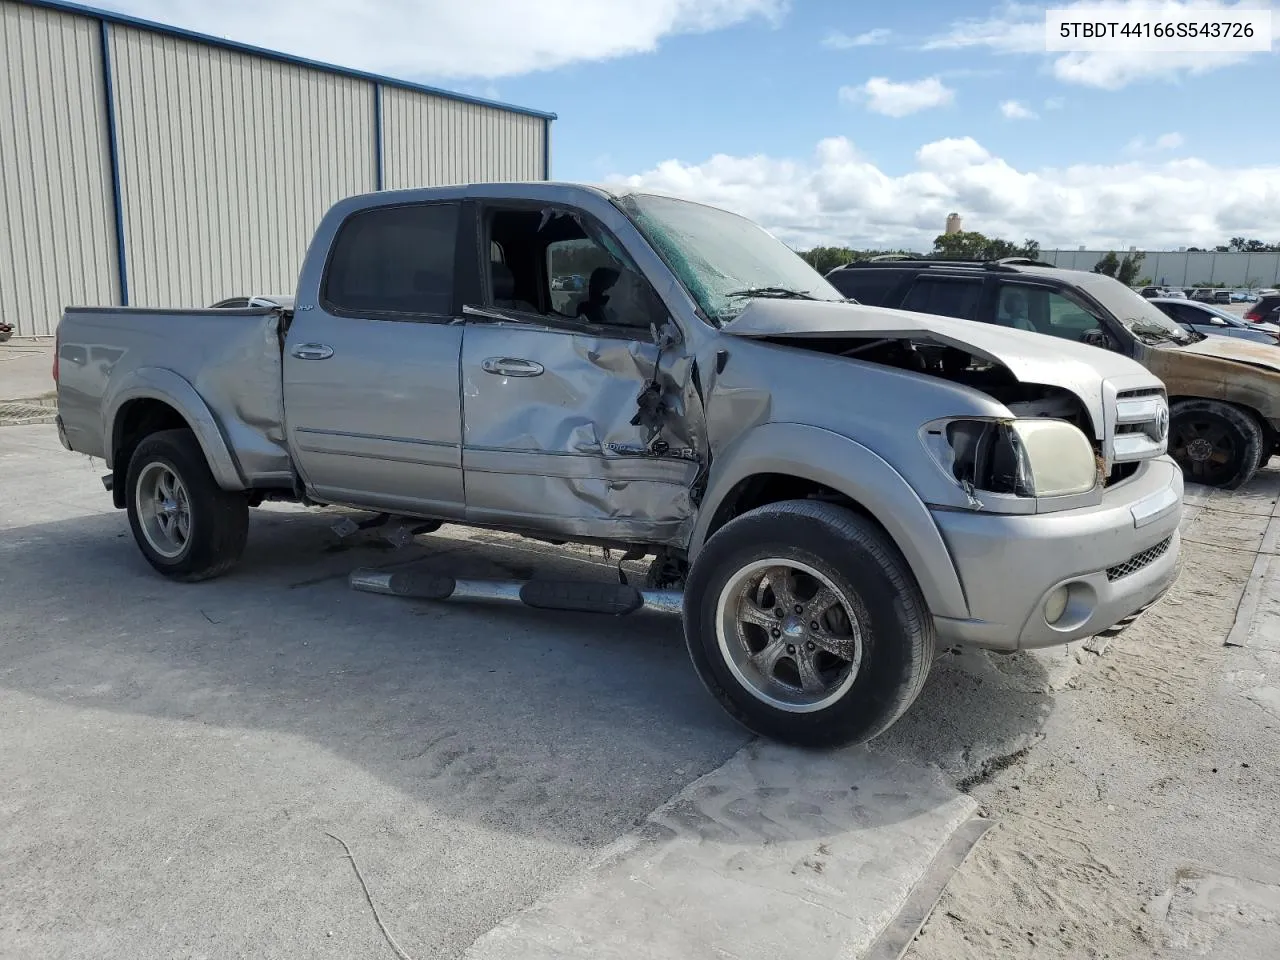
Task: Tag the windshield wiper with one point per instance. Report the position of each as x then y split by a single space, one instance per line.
775 293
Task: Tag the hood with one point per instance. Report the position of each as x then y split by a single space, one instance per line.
1264 356
1031 357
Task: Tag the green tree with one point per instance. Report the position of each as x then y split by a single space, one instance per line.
1109 264
826 259
1129 267
971 245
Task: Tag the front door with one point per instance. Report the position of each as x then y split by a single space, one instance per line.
564 431
371 369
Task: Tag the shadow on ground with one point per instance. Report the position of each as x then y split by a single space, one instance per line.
567 727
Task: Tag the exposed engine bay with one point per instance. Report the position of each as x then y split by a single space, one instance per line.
957 366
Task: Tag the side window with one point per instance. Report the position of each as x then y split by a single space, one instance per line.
393 262
559 266
946 298
570 266
870 286
1042 310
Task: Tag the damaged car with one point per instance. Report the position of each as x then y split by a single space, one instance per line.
1224 393
834 493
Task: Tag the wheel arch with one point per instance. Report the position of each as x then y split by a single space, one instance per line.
783 461
152 399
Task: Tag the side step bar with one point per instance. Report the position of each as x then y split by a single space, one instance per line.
579 596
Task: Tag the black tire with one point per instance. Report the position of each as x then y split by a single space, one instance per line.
875 583
217 519
1215 443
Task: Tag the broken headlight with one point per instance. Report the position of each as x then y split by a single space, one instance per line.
1023 458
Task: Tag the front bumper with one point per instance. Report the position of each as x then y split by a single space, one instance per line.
1115 559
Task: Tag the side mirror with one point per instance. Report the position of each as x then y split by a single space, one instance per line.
1096 338
1217 322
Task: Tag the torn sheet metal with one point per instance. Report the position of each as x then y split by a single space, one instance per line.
1220 368
586 447
1030 357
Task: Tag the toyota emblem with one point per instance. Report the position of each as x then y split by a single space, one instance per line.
1162 424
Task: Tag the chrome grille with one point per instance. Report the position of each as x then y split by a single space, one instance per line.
1139 560
1140 425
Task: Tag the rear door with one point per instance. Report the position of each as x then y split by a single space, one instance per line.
556 437
371 370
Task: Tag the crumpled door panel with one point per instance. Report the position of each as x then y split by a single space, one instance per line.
568 449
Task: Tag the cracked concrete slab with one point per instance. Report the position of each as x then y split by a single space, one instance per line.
778 853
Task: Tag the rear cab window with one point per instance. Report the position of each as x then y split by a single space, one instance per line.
394 262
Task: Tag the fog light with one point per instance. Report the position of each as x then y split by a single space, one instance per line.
1056 604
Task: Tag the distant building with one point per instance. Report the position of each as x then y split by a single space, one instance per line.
954 224
1183 268
148 166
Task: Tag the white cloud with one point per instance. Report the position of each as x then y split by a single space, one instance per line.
1015 110
882 95
1166 141
838 195
842 41
1019 29
447 39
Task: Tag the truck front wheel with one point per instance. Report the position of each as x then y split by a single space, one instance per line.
1215 443
187 526
804 621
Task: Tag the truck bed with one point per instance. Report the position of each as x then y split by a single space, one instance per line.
112 356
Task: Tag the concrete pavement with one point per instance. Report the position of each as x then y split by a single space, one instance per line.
26 369
511 782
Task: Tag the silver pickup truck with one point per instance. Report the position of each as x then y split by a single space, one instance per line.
837 489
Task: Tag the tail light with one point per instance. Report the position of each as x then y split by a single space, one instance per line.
1254 315
57 349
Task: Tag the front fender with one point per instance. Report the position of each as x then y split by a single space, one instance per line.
846 466
157 383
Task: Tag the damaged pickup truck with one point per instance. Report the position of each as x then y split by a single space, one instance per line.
839 490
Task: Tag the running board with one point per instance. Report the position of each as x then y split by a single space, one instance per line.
579 596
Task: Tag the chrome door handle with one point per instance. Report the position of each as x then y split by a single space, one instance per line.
511 367
312 351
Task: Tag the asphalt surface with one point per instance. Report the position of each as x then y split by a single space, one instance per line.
175 757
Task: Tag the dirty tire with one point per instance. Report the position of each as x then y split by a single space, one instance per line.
218 520
1215 443
875 589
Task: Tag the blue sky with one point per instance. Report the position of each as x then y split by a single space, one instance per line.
860 123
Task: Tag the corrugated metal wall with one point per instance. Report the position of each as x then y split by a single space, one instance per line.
226 159
227 163
430 141
1183 268
57 234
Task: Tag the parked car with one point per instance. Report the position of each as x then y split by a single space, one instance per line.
1175 294
1266 310
1206 319
1152 292
837 488
1224 393
1221 296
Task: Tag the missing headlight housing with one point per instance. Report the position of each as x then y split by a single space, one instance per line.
989 456
1038 457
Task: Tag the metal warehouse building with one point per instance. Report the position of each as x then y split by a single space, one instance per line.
144 165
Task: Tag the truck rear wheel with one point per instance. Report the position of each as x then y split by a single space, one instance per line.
805 622
1215 443
187 526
